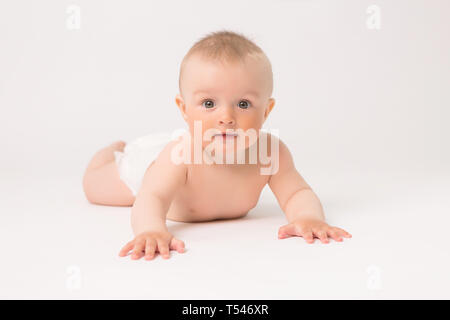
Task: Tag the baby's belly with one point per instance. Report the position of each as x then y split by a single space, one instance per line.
207 209
197 216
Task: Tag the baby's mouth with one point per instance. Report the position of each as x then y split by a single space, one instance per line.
226 135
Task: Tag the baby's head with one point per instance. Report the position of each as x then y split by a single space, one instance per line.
225 82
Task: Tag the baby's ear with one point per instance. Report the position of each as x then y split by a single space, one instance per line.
181 105
269 108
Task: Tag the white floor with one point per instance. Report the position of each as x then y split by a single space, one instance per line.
363 109
55 244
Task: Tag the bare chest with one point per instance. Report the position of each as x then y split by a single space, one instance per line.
223 192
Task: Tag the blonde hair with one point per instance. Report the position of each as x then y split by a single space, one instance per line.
225 46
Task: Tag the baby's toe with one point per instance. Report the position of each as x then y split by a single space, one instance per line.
118 145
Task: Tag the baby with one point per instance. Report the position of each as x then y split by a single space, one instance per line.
218 168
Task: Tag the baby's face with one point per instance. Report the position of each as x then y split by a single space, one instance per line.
225 96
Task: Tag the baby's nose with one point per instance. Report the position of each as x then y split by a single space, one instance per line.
226 116
226 121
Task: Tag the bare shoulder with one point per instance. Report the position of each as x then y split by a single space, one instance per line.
163 177
172 153
168 164
279 154
275 146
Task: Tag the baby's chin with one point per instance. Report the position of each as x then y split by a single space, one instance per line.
227 150
231 143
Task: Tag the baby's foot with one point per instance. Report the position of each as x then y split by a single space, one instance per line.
118 145
105 155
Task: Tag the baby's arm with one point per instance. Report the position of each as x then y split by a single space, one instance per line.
148 214
302 207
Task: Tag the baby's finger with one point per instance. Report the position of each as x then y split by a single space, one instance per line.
177 245
343 232
163 248
150 248
308 236
287 231
322 235
126 248
138 249
334 234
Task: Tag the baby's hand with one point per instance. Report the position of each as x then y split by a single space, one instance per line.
147 243
308 228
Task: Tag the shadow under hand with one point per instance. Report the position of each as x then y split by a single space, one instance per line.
264 211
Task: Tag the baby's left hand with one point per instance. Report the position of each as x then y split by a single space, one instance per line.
308 228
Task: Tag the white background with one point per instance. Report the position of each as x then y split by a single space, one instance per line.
364 112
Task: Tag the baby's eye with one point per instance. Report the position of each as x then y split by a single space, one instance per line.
208 104
244 104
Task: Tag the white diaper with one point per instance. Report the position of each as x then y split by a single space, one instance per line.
138 155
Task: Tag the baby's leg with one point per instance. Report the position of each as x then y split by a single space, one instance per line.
101 181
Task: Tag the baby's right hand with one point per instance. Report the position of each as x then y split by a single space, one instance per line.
147 243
